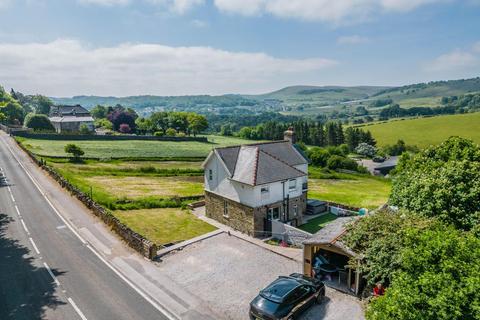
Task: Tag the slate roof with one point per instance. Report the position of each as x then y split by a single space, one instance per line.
71 119
77 110
332 233
262 163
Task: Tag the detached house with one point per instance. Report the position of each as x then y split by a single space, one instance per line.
68 119
249 186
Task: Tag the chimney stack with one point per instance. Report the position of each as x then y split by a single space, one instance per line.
290 135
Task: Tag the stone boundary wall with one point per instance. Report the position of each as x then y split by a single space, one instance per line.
342 206
132 238
79 137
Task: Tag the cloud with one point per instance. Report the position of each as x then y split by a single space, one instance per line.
69 67
456 60
336 11
355 39
178 6
106 3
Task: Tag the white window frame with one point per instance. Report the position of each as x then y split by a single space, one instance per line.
294 186
226 214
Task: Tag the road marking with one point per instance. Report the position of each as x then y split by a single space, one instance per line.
18 211
157 306
24 226
80 313
61 227
11 196
51 274
34 246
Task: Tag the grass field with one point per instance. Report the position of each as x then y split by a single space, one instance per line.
424 132
355 190
318 223
132 148
164 226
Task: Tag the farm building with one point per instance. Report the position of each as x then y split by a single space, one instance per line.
249 186
69 119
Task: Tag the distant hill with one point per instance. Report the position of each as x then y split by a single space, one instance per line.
294 100
424 132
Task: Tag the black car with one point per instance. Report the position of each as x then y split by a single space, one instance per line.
287 297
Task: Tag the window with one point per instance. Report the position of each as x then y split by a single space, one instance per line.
264 190
274 213
292 184
210 174
225 209
295 210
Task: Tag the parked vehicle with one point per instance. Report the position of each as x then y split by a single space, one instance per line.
316 207
287 297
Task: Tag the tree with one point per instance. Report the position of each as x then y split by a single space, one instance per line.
318 156
103 123
438 277
119 116
442 181
75 150
365 149
38 122
41 104
99 112
144 126
13 111
196 123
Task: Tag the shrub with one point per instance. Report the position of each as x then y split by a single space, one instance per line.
75 150
84 129
171 132
365 149
158 134
38 122
124 128
338 162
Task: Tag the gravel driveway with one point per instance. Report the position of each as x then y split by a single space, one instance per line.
227 272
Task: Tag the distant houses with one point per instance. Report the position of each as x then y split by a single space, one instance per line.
69 119
249 186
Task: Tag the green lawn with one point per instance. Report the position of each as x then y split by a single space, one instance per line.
318 223
132 148
362 191
424 132
163 226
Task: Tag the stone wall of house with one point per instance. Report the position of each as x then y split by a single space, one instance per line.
240 217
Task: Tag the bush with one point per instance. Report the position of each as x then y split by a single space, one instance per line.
124 128
366 150
158 134
75 150
84 129
336 162
171 132
318 156
38 122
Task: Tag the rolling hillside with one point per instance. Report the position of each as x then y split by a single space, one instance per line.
423 132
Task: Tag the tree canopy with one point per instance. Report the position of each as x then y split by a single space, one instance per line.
38 122
442 181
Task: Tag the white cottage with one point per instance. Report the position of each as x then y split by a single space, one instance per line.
248 186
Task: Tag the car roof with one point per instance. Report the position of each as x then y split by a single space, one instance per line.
279 289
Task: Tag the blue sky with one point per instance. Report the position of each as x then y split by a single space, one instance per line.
172 47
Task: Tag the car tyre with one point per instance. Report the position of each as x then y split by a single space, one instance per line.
320 298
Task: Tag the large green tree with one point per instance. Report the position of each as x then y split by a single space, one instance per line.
442 181
38 122
438 277
13 112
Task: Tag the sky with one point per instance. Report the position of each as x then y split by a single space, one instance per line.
181 47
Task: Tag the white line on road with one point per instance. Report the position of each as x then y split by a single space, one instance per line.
51 274
157 306
77 309
11 196
18 211
34 246
24 226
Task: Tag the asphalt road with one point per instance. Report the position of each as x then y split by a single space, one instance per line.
46 271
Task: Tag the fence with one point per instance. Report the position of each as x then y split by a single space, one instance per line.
78 137
133 239
289 234
13 129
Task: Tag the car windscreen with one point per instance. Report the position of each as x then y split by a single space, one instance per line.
277 291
